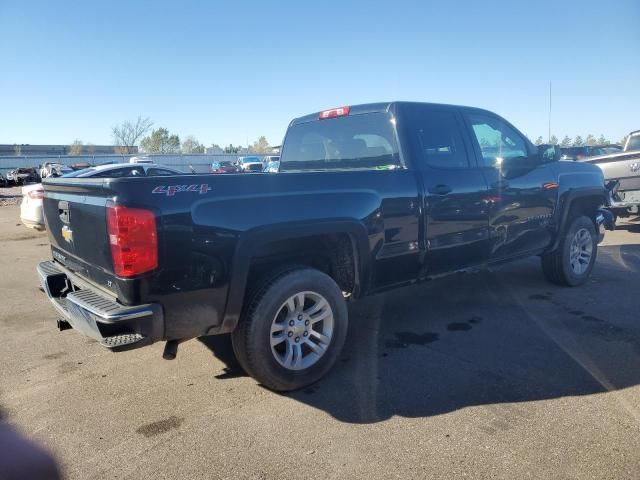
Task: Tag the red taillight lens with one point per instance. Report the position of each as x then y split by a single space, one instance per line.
133 239
335 112
36 194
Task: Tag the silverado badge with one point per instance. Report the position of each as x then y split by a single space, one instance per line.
67 234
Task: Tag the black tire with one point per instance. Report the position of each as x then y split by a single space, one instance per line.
251 338
556 265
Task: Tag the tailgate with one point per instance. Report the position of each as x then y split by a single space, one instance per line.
75 216
621 166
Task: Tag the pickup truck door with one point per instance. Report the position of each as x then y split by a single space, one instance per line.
455 215
522 189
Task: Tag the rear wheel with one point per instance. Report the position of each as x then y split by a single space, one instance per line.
572 262
293 330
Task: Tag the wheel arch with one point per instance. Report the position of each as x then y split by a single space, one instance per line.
260 239
584 200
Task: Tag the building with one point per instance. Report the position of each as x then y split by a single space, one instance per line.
27 149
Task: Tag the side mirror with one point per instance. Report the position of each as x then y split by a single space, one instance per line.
548 153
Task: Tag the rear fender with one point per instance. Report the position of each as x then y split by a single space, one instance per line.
567 200
254 240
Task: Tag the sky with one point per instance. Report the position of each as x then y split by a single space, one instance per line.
230 71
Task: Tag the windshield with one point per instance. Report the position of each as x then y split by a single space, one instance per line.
352 142
634 143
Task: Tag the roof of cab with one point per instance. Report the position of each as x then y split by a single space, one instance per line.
376 108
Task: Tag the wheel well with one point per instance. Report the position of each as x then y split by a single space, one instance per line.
332 254
586 206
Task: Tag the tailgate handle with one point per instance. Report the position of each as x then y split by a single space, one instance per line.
63 211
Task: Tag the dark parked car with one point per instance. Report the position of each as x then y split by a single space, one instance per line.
586 151
224 166
369 197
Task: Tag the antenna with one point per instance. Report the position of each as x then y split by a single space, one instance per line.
549 137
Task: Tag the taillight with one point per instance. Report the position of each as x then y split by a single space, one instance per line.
335 112
36 194
133 239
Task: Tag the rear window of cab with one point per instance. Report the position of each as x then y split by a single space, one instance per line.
355 142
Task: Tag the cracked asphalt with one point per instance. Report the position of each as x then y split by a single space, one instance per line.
491 375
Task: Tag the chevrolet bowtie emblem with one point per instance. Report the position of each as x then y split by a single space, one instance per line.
67 234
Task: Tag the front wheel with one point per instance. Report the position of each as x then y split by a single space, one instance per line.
293 330
572 262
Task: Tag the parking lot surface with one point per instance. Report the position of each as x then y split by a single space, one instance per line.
491 375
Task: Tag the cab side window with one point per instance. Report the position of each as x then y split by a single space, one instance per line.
497 140
158 172
437 139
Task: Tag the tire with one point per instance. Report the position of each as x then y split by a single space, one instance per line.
572 262
279 354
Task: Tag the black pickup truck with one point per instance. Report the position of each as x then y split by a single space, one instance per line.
368 198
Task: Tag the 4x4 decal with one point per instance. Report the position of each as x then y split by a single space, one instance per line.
171 190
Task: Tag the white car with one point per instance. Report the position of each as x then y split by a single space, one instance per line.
31 213
50 169
140 160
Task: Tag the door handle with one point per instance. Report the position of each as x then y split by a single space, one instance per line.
440 189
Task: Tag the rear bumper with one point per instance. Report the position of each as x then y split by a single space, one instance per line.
627 199
115 326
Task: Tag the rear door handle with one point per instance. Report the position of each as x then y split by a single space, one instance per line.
440 189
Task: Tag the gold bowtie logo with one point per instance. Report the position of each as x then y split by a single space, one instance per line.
67 234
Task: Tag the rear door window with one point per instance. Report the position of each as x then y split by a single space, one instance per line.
436 138
344 143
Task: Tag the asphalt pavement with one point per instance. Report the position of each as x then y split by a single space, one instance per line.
491 375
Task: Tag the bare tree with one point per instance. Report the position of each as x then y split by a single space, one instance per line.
261 145
75 148
129 133
192 145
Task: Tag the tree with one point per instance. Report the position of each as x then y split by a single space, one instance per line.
553 140
75 148
261 145
578 141
161 141
231 148
539 140
590 140
566 141
192 145
602 140
129 133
